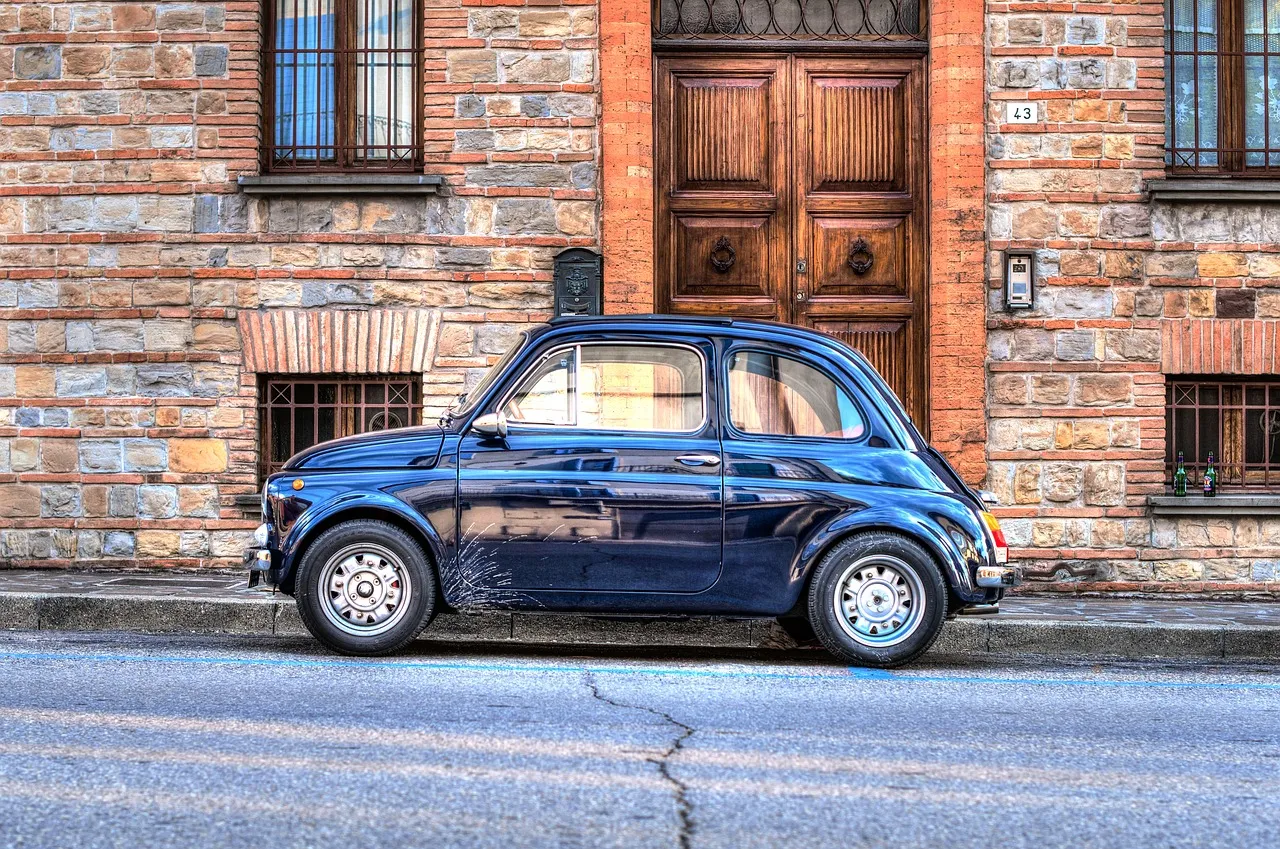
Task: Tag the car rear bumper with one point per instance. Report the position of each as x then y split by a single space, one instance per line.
263 566
996 576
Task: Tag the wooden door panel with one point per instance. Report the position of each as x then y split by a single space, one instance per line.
721 133
724 257
858 258
722 229
857 129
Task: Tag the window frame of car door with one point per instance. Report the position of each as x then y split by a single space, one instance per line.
848 386
536 360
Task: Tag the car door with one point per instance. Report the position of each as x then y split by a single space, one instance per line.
795 441
608 478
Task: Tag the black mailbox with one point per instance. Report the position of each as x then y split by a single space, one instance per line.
579 282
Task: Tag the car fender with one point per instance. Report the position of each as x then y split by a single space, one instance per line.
934 529
359 502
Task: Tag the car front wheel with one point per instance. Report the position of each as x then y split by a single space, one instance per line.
877 599
365 587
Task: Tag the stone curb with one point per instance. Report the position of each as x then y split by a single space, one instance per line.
988 635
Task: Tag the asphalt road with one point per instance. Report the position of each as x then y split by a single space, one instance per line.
121 740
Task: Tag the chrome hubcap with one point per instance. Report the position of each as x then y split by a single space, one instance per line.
366 589
879 601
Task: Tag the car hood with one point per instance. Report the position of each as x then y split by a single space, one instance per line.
416 447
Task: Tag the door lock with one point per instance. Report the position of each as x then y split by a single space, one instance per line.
799 294
802 266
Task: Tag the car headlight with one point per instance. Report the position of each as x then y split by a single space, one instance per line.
262 535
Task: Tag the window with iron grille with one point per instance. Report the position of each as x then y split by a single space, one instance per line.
1238 420
789 20
297 412
1222 69
343 85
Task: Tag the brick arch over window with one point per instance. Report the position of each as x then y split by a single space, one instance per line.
957 226
379 341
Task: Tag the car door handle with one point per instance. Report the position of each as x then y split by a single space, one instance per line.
698 459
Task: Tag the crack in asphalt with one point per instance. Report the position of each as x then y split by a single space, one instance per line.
684 807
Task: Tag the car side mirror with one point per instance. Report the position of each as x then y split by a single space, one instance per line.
491 424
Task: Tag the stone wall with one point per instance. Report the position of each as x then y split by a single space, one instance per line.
128 253
1077 385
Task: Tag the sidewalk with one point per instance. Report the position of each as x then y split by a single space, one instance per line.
204 603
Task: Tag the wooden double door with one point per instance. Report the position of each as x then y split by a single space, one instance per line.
792 188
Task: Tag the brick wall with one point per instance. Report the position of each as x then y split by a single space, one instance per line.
129 257
1076 386
626 139
957 235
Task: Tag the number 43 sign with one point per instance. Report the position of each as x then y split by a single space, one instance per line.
1022 113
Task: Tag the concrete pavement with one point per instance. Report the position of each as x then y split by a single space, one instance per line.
210 603
110 740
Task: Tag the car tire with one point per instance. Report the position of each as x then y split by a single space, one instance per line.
877 599
365 588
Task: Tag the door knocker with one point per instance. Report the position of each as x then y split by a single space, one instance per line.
860 256
723 255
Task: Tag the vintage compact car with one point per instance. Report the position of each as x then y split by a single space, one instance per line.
642 465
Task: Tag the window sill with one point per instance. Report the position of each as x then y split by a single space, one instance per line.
341 184
1235 504
1209 189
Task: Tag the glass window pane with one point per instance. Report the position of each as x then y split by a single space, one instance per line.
771 394
640 387
384 79
304 79
281 434
326 429
546 395
1207 108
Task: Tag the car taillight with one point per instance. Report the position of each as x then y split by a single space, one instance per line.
997 537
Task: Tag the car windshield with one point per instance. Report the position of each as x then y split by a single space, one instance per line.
467 400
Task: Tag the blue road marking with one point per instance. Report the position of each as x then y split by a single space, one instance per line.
854 673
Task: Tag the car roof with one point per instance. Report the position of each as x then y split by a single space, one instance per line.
712 325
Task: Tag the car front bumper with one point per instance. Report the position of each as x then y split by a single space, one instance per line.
996 576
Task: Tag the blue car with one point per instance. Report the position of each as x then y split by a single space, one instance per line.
642 465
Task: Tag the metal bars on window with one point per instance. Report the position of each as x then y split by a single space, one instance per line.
1222 69
343 85
789 20
296 413
1237 420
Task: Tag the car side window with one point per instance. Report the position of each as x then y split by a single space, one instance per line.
546 394
775 395
611 386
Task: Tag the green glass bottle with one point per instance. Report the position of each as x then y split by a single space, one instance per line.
1210 479
1180 478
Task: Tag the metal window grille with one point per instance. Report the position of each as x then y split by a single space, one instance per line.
1222 71
789 20
343 85
1238 420
296 413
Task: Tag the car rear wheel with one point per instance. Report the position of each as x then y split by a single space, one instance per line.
365 587
877 599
